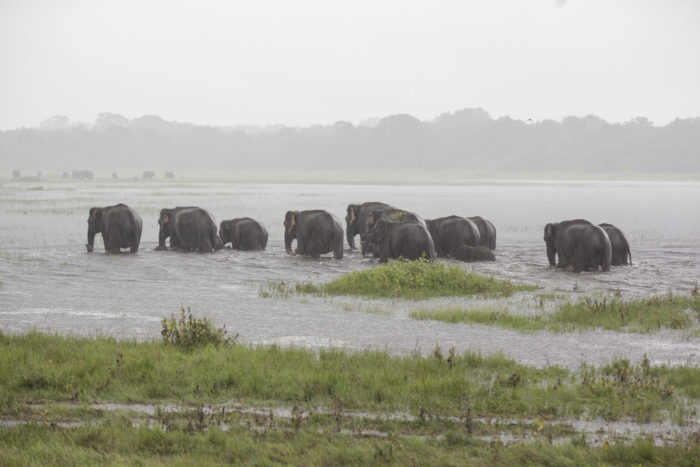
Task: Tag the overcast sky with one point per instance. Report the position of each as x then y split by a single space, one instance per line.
306 62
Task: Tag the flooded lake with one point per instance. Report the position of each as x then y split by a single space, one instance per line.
50 282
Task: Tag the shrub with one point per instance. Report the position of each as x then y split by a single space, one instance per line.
189 332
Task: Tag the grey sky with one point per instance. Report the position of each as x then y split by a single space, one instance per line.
306 62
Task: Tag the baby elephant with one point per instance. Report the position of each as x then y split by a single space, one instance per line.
316 232
243 234
119 225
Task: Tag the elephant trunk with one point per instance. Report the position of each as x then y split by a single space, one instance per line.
551 253
90 240
350 233
288 243
161 239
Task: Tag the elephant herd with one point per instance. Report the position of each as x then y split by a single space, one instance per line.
385 232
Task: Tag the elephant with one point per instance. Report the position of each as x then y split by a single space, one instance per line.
620 247
451 234
391 214
189 228
243 234
119 225
551 231
400 239
487 231
356 220
316 232
581 245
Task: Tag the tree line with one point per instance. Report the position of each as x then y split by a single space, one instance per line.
468 139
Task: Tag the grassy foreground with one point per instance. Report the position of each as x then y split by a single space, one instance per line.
50 367
119 442
641 316
448 400
419 279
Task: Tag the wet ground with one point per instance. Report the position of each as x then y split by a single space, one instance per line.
49 282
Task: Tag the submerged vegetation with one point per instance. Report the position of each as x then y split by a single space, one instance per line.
419 279
641 316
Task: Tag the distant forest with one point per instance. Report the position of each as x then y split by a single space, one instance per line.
468 139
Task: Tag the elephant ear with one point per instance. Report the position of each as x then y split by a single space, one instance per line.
96 214
290 220
549 231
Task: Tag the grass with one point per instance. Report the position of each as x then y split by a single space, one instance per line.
641 316
49 367
116 441
451 399
420 279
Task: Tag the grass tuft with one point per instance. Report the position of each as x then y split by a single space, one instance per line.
419 279
188 332
641 316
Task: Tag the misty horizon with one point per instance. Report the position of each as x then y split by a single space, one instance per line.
62 121
467 139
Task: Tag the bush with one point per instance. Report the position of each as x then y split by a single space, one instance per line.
189 332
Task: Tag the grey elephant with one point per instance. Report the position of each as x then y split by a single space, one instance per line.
243 234
459 238
620 246
487 231
579 244
189 228
316 232
119 225
551 232
356 220
391 214
400 239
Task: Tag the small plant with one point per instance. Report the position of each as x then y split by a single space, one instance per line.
189 332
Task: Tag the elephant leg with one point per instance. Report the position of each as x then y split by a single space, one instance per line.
338 254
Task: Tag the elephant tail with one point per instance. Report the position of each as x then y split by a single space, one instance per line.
629 253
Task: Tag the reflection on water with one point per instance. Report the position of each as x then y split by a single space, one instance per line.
50 282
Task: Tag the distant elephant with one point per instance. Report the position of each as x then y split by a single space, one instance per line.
487 231
189 228
551 232
119 225
450 234
149 175
620 247
400 239
316 232
243 234
356 220
581 245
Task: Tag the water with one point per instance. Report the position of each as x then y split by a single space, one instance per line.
49 282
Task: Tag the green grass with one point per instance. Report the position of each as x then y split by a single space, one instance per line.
641 316
116 441
452 400
49 367
420 279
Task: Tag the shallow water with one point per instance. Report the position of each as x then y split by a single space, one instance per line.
49 282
